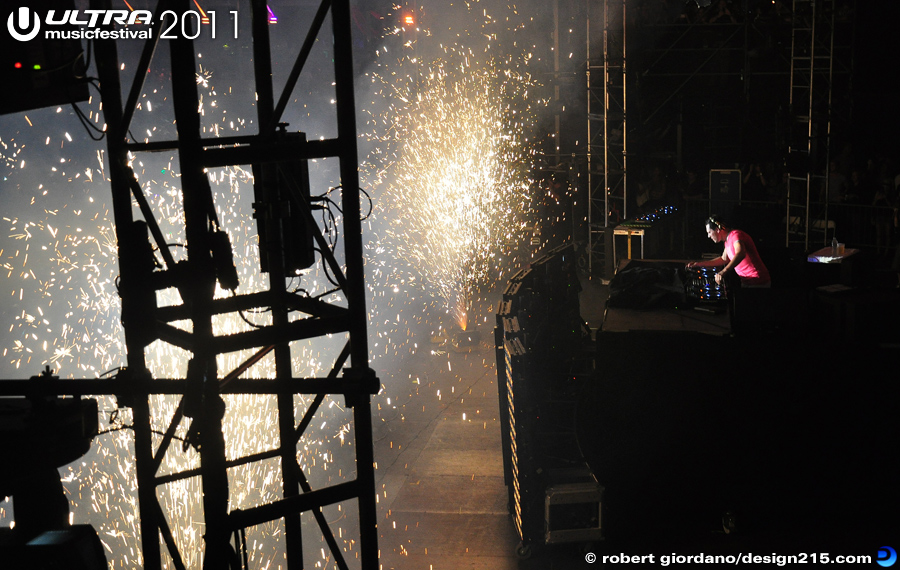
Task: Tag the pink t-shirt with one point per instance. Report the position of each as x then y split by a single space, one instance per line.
751 269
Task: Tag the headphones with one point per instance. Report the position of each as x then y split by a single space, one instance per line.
713 221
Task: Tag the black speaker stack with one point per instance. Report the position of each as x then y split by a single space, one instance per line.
544 359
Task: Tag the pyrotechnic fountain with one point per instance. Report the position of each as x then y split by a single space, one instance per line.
451 168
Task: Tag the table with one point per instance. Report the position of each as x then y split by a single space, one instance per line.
826 255
627 231
844 262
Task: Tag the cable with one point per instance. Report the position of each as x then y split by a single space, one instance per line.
332 229
329 292
86 123
299 289
254 325
244 318
131 426
371 205
363 192
328 275
65 65
112 370
324 197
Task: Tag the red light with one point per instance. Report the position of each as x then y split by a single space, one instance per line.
18 65
409 20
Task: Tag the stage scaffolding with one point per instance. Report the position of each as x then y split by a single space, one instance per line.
147 266
809 152
736 69
607 132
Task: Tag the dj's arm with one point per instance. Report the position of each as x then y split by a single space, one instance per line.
717 262
739 254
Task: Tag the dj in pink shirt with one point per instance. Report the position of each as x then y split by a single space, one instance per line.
750 268
740 255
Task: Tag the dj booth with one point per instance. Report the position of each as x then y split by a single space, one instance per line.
666 296
646 429
694 416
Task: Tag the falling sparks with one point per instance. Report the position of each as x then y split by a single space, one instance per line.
60 267
453 168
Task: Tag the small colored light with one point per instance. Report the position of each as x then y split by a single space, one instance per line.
409 20
18 65
37 66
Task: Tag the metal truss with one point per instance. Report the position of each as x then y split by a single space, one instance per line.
209 260
607 132
812 75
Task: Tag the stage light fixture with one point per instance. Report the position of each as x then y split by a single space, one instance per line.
48 71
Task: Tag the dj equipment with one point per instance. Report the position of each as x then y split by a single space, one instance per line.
650 219
700 285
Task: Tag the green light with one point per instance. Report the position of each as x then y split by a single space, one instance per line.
37 65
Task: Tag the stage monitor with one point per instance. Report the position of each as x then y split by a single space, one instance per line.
37 71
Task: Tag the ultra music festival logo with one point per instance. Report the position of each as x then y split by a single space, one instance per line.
24 17
25 24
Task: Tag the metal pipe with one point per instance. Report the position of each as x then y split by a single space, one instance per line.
199 294
355 291
108 71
